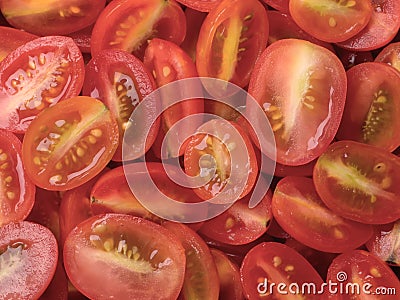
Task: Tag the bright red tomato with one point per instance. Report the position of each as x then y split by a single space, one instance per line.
201 275
372 106
302 89
12 39
129 24
124 257
390 55
51 17
37 75
28 260
17 190
331 21
121 82
232 37
359 182
314 224
69 143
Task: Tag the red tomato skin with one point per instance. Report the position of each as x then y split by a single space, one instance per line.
13 38
390 55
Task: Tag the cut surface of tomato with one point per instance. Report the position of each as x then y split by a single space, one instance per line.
13 38
69 143
134 256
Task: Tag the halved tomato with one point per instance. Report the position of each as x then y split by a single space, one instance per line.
359 182
12 39
17 190
121 81
69 143
390 55
51 17
331 20
28 260
314 224
301 87
372 106
201 275
232 37
129 24
37 75
124 257
201 5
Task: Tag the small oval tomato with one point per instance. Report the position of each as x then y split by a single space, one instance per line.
302 89
359 182
201 275
201 5
270 264
372 106
129 24
362 275
28 260
314 224
331 21
69 143
135 257
12 39
37 75
232 37
121 82
17 190
390 55
51 17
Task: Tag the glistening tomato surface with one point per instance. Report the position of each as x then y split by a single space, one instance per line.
28 260
37 75
17 190
124 257
302 89
12 39
69 143
359 182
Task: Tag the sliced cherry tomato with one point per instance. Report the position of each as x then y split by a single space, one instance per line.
330 20
37 75
17 190
372 106
302 89
381 28
362 275
169 63
12 39
135 256
201 275
359 182
121 81
28 256
280 5
69 143
214 158
51 17
270 264
232 37
200 5
129 24
194 20
390 55
385 243
229 276
314 224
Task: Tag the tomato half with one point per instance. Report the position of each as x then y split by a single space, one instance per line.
359 182
372 106
129 24
302 89
381 28
270 264
51 17
390 55
201 275
200 5
232 37
37 75
121 81
314 224
69 143
17 190
28 255
12 39
361 275
330 20
138 259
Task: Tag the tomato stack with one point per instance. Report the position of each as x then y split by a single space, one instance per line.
199 149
